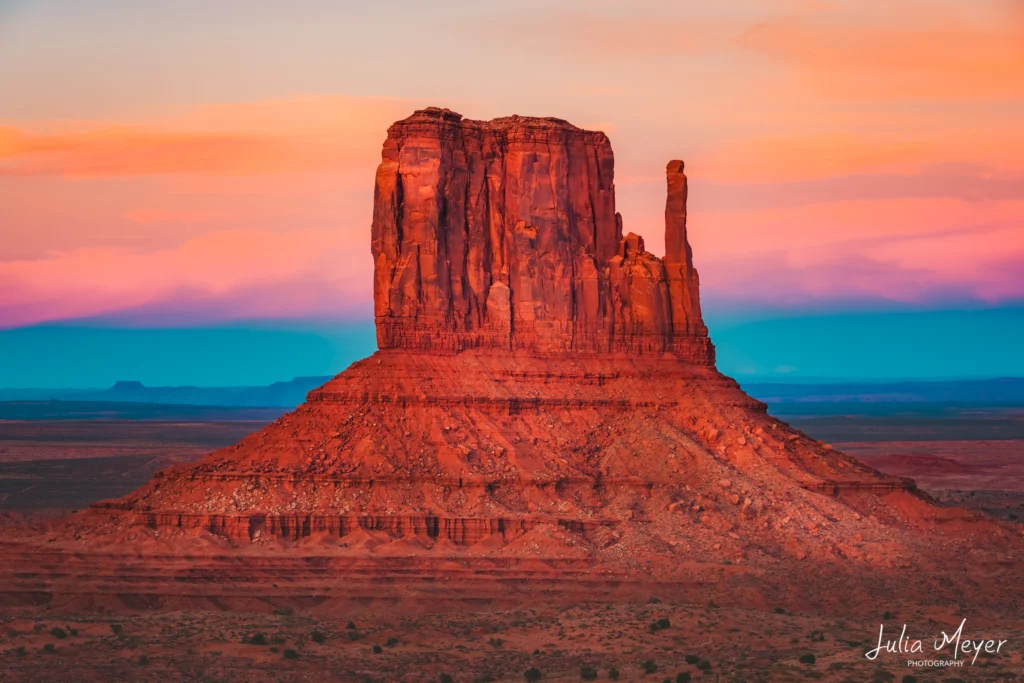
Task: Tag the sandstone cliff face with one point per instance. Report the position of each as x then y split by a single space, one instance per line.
504 234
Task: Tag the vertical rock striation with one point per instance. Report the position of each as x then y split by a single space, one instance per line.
504 234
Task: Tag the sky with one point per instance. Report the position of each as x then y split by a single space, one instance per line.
186 168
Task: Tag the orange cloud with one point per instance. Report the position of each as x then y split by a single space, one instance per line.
812 155
900 50
283 136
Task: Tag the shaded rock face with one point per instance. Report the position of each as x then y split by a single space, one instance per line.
504 234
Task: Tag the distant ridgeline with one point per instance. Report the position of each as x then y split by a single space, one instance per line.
886 397
783 399
277 395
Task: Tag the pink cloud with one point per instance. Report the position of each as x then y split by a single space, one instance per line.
306 273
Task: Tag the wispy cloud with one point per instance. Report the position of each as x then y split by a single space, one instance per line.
904 49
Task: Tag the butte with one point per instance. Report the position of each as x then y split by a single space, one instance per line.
544 405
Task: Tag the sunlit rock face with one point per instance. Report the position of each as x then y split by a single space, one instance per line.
504 234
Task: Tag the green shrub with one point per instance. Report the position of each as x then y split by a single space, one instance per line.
377 649
58 633
255 639
664 623
392 642
532 675
318 637
20 650
351 625
143 660
116 629
909 679
291 654
49 648
649 666
445 678
807 658
704 665
692 659
588 673
683 677
284 611
613 674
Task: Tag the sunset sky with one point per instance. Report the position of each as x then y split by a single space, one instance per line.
192 165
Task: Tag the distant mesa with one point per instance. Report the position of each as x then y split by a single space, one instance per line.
128 385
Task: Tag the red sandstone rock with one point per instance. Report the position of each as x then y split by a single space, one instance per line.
504 234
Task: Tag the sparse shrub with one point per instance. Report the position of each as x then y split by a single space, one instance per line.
495 642
649 666
255 639
116 629
377 649
392 641
704 665
692 659
588 673
779 610
909 679
318 637
284 611
143 660
73 632
613 674
484 678
683 677
291 654
816 636
807 658
532 675
20 650
49 648
664 623
351 625
445 678
58 633
888 615
12 633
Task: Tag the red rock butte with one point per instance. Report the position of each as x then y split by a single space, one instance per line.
503 234
545 391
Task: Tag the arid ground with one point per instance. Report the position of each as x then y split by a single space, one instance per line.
48 467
